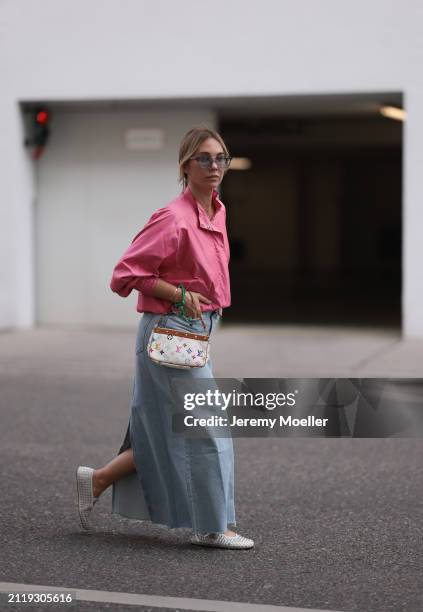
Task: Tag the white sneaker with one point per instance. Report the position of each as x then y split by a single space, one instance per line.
220 540
86 499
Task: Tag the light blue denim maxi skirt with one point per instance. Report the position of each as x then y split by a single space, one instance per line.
180 481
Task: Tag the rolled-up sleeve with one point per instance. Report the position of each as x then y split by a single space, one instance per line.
139 266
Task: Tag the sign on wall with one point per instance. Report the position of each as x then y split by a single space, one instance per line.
144 139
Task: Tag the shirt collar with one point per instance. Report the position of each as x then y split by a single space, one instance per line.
203 219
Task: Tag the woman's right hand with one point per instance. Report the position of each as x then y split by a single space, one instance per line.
192 304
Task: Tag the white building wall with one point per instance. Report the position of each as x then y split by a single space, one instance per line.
16 222
106 49
412 294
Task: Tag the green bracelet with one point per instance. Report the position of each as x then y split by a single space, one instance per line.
180 306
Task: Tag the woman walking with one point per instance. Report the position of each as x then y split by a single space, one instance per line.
179 265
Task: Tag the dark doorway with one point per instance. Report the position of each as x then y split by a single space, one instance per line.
315 222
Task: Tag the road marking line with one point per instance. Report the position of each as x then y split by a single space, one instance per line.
134 599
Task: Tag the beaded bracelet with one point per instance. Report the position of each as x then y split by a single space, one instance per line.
180 306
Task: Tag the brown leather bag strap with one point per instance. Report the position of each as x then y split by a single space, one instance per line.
182 334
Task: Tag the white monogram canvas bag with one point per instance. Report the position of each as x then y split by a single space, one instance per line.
178 349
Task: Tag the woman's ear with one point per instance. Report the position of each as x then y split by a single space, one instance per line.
184 168
185 179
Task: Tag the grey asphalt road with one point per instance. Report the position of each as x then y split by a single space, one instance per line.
338 523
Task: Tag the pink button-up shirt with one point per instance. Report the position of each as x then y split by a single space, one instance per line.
179 244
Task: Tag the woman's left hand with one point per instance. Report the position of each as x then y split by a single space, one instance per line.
193 304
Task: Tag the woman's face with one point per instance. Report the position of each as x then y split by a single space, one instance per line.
210 177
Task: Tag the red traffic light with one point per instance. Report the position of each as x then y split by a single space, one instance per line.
42 117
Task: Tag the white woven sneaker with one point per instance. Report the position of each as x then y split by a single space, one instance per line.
220 540
86 499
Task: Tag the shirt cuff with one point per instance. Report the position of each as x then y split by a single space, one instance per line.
146 284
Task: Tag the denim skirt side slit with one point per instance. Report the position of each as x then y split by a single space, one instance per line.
180 481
